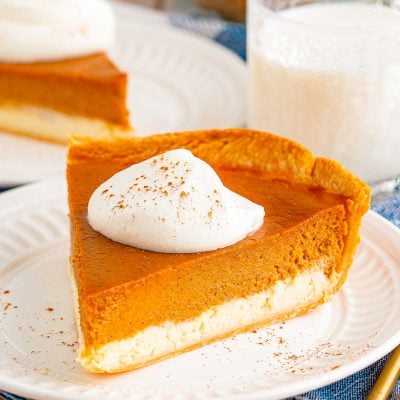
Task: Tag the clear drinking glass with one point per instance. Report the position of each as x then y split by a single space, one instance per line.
327 74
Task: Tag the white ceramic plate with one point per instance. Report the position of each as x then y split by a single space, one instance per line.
177 81
38 335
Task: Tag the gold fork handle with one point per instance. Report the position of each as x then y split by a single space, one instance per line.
387 378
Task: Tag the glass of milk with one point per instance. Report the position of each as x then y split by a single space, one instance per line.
327 74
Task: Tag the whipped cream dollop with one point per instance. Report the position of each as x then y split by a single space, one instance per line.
172 203
47 30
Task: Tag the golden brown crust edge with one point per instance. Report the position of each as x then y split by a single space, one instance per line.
279 157
229 148
334 178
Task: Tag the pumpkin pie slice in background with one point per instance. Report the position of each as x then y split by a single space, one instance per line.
55 76
52 100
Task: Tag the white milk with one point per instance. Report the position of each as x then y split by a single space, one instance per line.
328 76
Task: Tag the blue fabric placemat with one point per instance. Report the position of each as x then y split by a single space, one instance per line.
233 36
8 396
230 35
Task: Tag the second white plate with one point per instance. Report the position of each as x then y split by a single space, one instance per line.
38 336
177 81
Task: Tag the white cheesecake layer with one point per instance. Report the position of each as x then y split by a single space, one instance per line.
47 124
154 342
